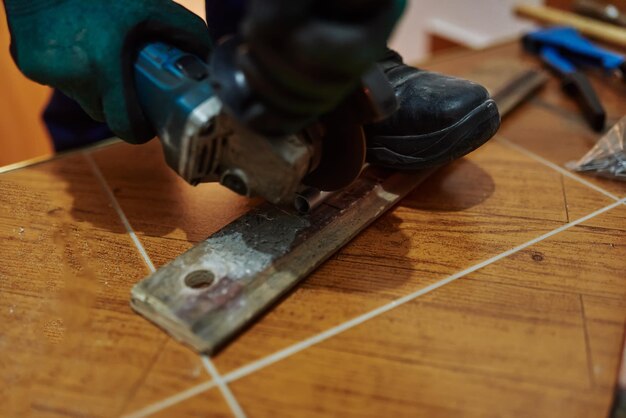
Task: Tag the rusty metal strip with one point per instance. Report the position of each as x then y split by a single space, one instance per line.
208 294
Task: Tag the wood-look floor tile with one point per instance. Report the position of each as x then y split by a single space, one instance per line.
472 348
175 369
159 205
209 404
494 180
588 259
482 205
461 64
467 213
558 140
321 383
70 345
77 361
578 201
605 320
494 330
614 220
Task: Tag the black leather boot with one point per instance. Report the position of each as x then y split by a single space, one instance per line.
440 119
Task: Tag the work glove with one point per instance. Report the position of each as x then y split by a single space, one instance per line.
306 56
87 49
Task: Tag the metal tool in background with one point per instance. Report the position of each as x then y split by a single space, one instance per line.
565 51
203 114
603 11
593 28
608 157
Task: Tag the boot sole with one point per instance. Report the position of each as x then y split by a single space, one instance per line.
465 136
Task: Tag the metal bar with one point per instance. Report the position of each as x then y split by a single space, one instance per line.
207 295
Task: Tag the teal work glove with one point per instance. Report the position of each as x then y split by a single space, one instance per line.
308 55
86 49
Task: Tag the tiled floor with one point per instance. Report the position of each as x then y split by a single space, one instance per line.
497 288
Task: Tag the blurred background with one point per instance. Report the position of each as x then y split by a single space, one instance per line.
429 27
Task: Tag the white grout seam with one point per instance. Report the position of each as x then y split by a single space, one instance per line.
120 212
208 364
303 345
172 400
556 167
226 392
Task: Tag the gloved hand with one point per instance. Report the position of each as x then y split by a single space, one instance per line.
308 55
86 49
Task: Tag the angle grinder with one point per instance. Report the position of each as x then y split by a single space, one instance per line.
206 116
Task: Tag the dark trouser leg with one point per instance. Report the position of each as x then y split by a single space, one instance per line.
69 126
223 16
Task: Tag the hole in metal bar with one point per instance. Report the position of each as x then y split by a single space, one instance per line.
200 279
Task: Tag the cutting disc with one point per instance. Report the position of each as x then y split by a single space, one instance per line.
342 159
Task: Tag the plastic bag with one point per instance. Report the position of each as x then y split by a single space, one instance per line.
608 157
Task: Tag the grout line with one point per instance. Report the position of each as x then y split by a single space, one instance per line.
556 167
295 348
120 212
226 392
208 364
565 197
590 368
130 396
172 400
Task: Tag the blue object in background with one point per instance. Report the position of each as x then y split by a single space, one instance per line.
571 44
566 51
551 56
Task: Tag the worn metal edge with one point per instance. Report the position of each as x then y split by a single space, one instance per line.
148 308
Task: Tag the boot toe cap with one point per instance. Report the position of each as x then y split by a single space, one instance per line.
440 118
435 102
